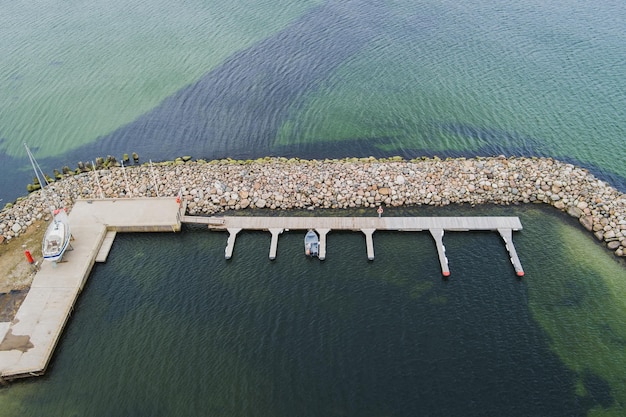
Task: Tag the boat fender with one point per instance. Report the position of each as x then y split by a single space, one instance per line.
29 257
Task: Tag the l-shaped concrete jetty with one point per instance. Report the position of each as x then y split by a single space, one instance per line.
28 341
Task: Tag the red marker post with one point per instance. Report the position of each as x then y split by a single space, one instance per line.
29 257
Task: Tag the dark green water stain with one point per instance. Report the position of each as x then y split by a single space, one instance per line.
579 303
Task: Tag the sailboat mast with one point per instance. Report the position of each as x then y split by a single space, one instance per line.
38 170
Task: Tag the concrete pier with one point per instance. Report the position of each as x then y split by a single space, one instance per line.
28 342
230 244
369 242
367 225
105 248
437 234
507 236
274 243
322 247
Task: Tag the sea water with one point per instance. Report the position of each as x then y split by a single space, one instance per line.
168 327
312 79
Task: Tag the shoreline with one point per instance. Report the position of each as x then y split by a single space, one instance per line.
283 184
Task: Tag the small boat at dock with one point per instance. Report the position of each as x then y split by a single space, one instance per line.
311 244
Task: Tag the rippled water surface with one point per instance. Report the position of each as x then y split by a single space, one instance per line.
168 327
312 79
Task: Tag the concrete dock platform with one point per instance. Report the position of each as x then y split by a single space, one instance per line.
105 248
28 342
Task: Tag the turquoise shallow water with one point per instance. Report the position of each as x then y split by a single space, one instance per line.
167 327
312 79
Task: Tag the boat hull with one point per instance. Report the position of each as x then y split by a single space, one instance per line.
57 238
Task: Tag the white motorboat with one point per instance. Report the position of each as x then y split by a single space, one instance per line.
311 244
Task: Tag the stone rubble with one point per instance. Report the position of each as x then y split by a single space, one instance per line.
279 183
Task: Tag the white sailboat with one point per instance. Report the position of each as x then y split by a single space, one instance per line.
57 237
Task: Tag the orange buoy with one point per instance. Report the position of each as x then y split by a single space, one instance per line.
446 273
29 257
520 273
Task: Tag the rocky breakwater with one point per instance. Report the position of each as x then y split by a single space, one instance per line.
280 183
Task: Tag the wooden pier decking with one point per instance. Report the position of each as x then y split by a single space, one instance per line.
367 225
28 342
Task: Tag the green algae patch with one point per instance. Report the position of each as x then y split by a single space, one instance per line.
438 300
579 299
420 288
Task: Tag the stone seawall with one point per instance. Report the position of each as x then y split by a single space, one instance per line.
280 183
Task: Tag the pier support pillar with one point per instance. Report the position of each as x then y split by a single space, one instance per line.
507 236
369 242
231 241
322 249
437 234
274 244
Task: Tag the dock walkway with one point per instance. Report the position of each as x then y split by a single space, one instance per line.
28 342
367 225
